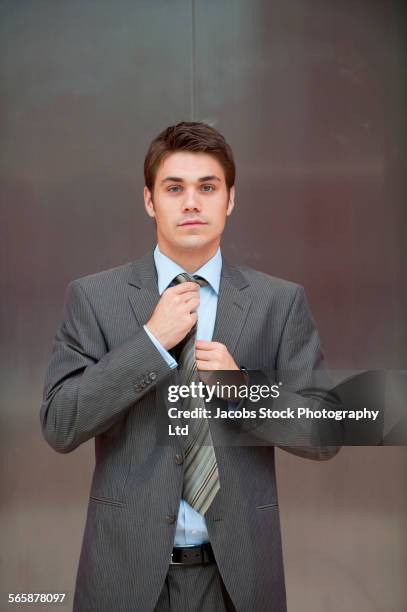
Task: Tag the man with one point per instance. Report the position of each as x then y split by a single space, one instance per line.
178 525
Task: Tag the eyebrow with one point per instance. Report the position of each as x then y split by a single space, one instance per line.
177 179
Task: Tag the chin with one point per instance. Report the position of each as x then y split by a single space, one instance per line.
194 242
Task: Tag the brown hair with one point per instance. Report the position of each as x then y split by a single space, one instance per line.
189 136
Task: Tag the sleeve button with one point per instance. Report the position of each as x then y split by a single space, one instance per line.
170 518
153 376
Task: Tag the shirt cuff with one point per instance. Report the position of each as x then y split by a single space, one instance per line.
163 352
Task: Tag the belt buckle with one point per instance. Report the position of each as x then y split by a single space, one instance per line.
175 562
197 561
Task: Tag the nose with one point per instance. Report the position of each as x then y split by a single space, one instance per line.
191 202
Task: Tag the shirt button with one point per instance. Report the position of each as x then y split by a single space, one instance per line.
170 518
179 459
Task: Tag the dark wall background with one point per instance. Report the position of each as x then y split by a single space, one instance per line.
312 98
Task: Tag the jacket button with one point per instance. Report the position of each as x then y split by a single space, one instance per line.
170 518
152 376
179 459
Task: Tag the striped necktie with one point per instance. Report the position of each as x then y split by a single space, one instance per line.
201 476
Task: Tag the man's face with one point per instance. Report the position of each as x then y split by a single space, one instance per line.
190 203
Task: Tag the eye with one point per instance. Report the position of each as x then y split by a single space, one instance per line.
208 188
174 188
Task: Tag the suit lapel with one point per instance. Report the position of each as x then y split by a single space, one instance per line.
233 307
143 292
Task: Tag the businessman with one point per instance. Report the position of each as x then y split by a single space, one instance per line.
189 524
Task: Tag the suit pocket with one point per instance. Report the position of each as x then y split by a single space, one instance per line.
267 506
106 501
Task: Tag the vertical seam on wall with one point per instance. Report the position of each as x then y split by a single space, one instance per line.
192 63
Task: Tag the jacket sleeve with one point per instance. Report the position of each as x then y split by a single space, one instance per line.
305 383
87 388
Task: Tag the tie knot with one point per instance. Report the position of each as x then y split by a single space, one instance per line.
184 277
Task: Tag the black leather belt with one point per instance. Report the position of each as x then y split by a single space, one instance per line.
192 555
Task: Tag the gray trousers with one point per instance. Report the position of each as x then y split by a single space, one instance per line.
194 588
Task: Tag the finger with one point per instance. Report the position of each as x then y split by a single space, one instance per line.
186 297
191 306
184 287
203 355
207 366
183 298
205 345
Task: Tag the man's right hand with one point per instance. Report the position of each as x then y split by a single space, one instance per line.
175 314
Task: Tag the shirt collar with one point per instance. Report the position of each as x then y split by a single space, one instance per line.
167 269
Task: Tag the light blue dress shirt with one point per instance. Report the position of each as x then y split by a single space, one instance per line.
191 526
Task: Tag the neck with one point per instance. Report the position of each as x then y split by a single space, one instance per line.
189 259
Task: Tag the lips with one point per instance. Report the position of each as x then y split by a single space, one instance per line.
192 222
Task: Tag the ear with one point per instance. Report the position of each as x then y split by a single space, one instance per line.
148 202
231 203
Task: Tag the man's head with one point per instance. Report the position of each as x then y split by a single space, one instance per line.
193 137
189 188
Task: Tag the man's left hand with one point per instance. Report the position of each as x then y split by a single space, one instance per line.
213 356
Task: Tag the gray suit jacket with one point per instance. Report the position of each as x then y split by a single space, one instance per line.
103 382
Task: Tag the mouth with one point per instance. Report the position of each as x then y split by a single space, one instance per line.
192 222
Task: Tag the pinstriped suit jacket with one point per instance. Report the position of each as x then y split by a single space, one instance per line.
103 382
